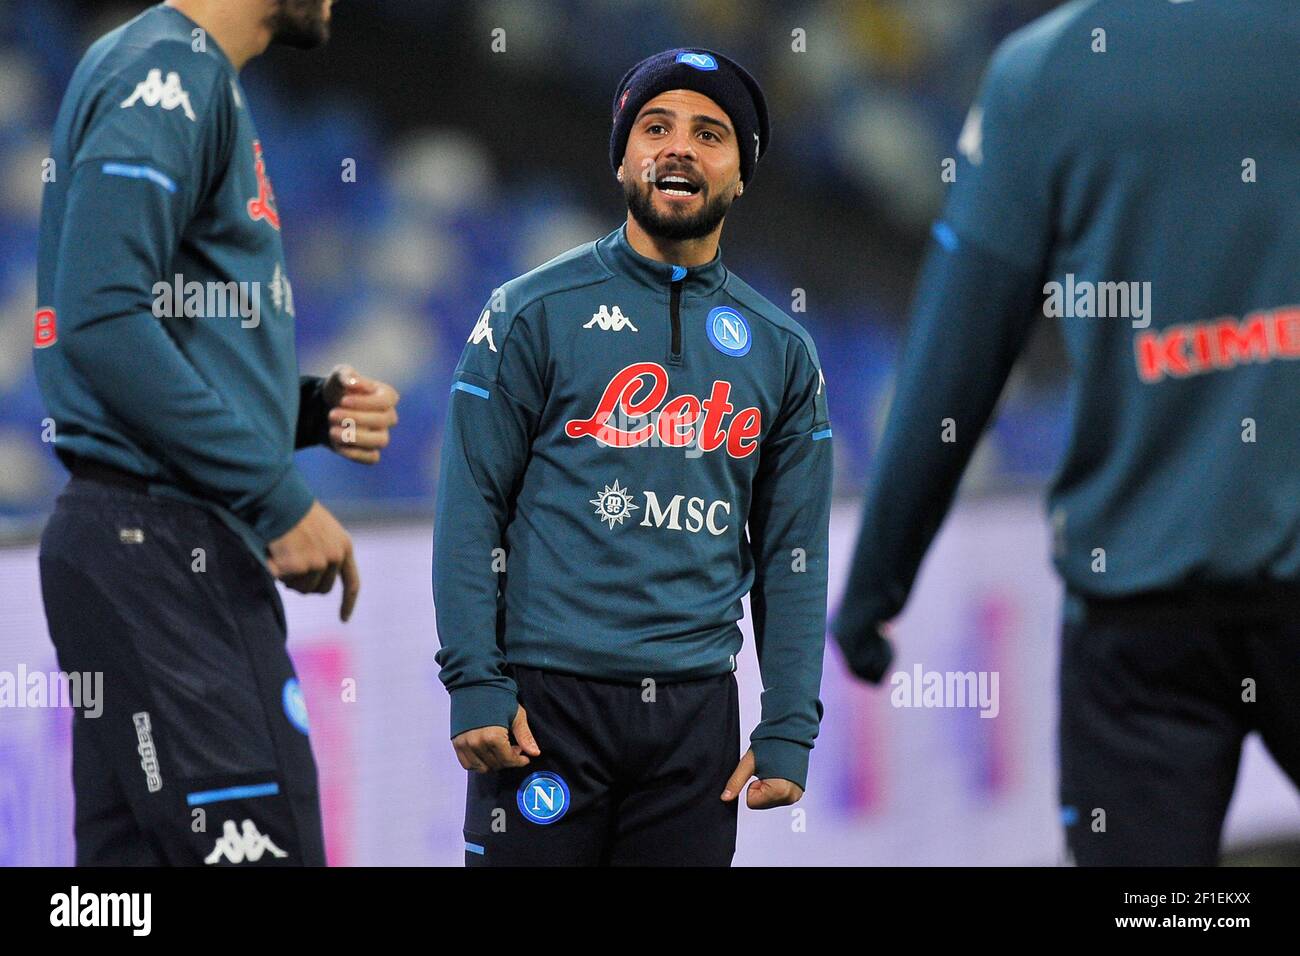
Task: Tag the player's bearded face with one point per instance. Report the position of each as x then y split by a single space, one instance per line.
676 221
303 24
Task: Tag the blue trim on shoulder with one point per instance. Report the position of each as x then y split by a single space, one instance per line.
475 848
200 797
472 389
140 172
824 433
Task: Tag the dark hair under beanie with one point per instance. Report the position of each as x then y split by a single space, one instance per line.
722 80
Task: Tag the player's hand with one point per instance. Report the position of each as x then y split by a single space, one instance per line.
362 410
312 554
489 748
868 655
762 794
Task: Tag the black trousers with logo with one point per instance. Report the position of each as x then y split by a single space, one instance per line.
1157 694
626 777
200 754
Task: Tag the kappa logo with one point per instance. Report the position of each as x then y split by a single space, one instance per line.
282 291
146 750
248 846
483 330
543 797
608 321
263 207
154 91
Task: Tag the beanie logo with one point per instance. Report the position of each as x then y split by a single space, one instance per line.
701 61
622 100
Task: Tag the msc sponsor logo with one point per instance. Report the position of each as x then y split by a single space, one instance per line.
1179 351
543 797
678 513
614 504
638 391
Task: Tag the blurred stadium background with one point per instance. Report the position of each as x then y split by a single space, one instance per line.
473 166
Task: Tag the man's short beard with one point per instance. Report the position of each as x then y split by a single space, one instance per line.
300 24
673 228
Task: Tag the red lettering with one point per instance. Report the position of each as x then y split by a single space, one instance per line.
744 428
676 419
678 423
1222 343
1286 331
1160 355
621 392
1202 347
1241 343
716 407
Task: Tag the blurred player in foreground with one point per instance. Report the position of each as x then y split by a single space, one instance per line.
619 417
165 354
1135 170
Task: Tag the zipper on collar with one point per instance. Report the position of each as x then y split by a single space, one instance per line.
675 318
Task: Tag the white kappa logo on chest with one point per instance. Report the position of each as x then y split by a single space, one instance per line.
609 321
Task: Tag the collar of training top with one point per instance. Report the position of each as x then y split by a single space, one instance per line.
617 253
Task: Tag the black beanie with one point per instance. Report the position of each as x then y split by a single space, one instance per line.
722 80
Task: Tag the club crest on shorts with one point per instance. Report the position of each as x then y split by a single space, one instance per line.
295 705
728 331
543 797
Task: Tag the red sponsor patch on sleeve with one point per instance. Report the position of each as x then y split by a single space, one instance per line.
46 331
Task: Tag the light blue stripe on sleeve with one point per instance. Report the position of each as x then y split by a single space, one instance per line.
472 389
824 433
474 848
140 172
232 793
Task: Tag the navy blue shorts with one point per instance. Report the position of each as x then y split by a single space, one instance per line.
1157 694
200 755
627 777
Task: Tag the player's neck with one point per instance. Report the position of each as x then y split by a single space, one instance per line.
679 252
241 28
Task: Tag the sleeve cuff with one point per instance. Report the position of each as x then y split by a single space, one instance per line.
781 758
313 414
482 705
284 506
